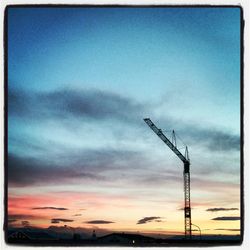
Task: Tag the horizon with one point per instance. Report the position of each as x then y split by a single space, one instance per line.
87 233
80 82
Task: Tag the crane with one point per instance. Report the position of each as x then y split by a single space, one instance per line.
186 173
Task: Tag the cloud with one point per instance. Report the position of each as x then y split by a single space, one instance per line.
26 171
168 180
25 223
99 222
216 140
73 103
19 102
99 105
77 214
160 178
93 104
227 229
211 138
23 217
58 220
88 165
148 219
216 209
55 208
10 221
181 209
227 218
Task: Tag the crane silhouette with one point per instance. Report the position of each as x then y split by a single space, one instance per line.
186 173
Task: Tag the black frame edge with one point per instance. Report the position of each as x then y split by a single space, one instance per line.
5 43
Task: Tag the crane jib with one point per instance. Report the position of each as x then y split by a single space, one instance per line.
166 140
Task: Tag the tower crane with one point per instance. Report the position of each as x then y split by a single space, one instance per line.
186 174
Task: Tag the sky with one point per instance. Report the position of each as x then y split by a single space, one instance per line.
80 82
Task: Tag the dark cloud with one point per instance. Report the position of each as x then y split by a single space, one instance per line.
69 103
92 104
58 220
10 221
99 105
158 220
171 179
99 222
77 214
151 179
227 218
216 140
23 217
88 165
25 223
148 219
24 171
227 229
160 178
19 102
193 134
55 208
217 209
182 208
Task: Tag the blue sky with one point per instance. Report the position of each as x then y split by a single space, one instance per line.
82 79
176 53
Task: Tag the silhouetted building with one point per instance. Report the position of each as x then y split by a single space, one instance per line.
124 238
76 236
93 237
29 235
18 235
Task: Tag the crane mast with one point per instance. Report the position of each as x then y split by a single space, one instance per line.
186 175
